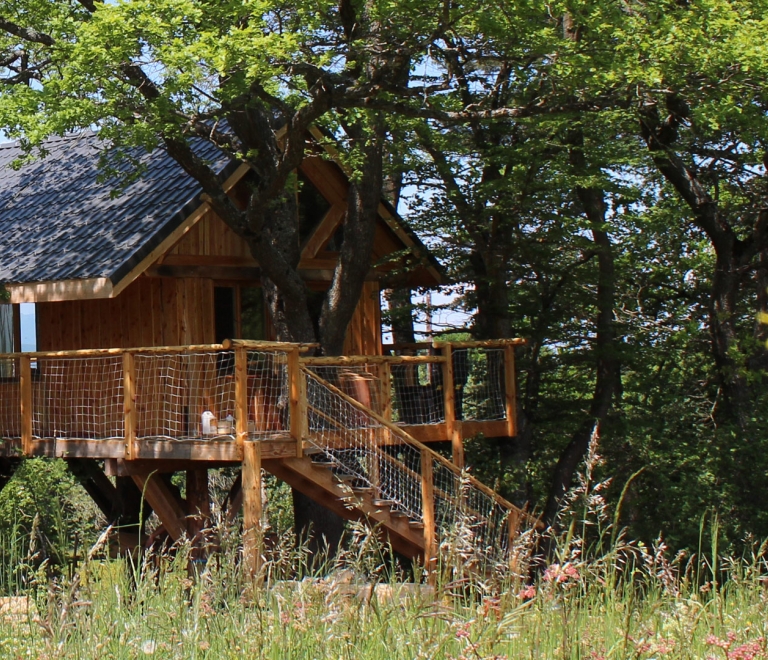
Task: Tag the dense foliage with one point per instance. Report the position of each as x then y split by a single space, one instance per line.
592 174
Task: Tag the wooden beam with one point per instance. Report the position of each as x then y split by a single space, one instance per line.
241 398
298 401
198 509
252 508
453 430
231 273
324 231
208 260
25 385
96 287
161 498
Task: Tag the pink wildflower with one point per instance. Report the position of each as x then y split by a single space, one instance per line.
463 631
527 593
560 574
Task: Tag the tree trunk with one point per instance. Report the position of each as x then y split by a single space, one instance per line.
606 363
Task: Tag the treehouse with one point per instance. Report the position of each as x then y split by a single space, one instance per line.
135 373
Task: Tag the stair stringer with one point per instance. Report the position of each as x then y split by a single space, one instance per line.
319 484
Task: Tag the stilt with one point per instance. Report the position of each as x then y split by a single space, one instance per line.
198 511
252 508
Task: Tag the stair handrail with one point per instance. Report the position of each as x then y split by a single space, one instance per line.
416 444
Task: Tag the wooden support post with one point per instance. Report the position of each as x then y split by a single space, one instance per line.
252 510
298 401
198 510
509 390
129 404
25 384
428 515
162 500
453 426
241 398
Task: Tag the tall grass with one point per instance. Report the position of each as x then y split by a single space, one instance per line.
599 595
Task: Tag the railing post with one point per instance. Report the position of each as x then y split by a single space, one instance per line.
25 385
241 398
428 514
509 390
298 401
385 377
129 404
453 426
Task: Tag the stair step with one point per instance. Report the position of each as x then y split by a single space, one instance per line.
324 464
361 487
346 478
313 451
396 513
415 524
382 504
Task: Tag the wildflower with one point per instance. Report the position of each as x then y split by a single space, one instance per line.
560 574
527 592
148 647
462 631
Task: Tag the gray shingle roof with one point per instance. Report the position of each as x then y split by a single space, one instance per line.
57 222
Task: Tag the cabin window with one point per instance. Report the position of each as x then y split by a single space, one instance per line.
239 312
18 332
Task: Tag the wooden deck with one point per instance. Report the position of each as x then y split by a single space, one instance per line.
150 410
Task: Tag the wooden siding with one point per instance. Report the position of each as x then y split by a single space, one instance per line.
210 237
364 331
153 311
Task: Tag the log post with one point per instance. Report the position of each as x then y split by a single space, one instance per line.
510 394
298 401
25 385
129 404
513 521
198 511
241 398
428 514
453 427
252 507
385 377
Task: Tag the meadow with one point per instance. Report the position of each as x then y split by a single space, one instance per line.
599 595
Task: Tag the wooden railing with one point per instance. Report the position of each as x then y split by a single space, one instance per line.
140 396
439 406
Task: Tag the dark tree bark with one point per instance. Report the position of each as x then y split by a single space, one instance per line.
734 256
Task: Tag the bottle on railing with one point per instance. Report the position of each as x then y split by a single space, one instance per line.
208 423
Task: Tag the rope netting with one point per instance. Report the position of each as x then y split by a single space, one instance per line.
10 412
478 382
78 397
417 394
192 395
362 382
268 392
388 461
470 522
177 395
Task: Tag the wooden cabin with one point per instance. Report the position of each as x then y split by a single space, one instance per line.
155 266
134 294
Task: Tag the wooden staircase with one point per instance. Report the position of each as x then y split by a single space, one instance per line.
338 492
363 467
